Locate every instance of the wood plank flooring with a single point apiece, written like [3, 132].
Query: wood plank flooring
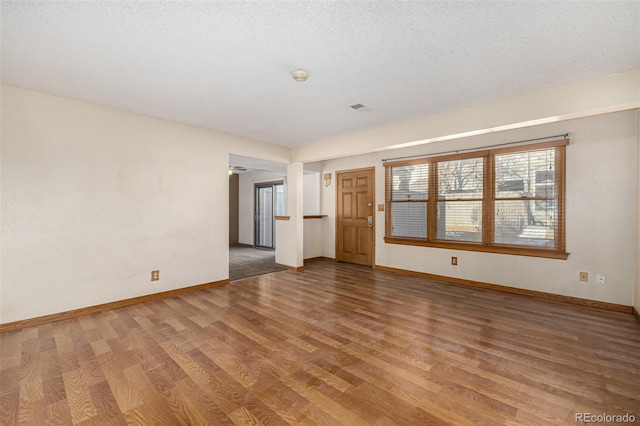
[337, 344]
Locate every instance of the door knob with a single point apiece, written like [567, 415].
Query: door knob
[370, 221]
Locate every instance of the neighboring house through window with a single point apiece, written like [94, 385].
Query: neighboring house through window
[508, 200]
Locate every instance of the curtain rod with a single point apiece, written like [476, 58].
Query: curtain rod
[565, 135]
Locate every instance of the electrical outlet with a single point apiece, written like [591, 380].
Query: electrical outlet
[584, 276]
[454, 261]
[600, 279]
[155, 275]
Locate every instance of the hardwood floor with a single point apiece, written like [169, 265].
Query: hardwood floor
[337, 344]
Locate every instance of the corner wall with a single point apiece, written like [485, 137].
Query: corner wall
[94, 198]
[602, 214]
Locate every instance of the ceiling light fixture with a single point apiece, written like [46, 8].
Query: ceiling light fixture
[300, 75]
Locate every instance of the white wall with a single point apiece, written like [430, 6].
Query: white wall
[602, 213]
[311, 197]
[312, 238]
[93, 199]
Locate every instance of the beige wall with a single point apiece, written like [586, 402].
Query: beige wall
[602, 214]
[93, 199]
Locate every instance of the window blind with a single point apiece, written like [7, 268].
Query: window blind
[509, 200]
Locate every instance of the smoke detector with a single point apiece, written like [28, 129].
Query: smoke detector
[300, 75]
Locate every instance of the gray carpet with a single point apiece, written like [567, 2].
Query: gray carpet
[247, 261]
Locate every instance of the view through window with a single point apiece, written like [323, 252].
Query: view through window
[509, 200]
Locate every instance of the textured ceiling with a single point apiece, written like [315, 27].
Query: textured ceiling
[226, 65]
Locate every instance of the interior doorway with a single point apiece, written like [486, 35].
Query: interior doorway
[246, 259]
[269, 203]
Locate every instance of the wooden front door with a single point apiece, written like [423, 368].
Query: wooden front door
[354, 216]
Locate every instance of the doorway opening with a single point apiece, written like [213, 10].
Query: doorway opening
[249, 257]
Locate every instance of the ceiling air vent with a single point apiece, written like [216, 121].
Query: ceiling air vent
[356, 106]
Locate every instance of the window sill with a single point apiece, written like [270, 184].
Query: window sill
[512, 250]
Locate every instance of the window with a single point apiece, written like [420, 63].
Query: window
[409, 199]
[509, 201]
[460, 188]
